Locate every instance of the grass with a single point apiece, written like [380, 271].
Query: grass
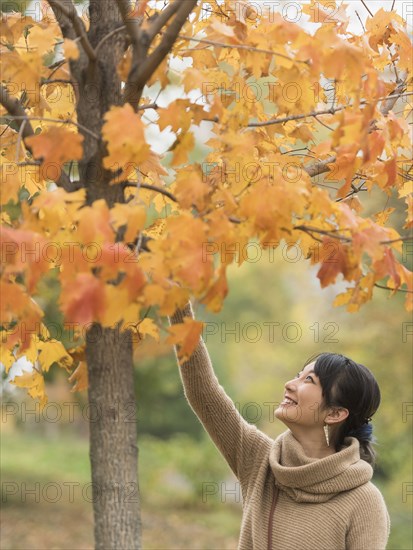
[34, 469]
[174, 515]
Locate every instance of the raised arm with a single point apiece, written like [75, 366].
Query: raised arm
[237, 440]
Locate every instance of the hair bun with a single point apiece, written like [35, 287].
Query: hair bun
[363, 432]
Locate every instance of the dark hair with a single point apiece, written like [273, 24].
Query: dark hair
[348, 384]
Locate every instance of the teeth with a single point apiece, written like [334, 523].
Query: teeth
[288, 400]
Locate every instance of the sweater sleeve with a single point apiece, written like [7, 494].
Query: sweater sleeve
[237, 440]
[370, 526]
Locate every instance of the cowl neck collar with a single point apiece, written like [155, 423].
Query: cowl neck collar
[307, 479]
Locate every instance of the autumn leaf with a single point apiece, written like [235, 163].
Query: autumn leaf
[147, 327]
[123, 131]
[70, 49]
[53, 351]
[181, 149]
[335, 258]
[83, 299]
[186, 336]
[54, 147]
[34, 383]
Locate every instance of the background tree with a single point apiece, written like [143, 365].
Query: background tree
[305, 127]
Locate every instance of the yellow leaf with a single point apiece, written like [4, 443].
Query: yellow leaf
[190, 188]
[131, 215]
[6, 358]
[51, 352]
[34, 382]
[183, 146]
[148, 327]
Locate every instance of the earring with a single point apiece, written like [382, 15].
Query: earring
[326, 434]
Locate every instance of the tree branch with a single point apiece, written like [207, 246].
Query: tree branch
[162, 19]
[132, 24]
[319, 167]
[70, 12]
[144, 66]
[17, 112]
[57, 120]
[160, 190]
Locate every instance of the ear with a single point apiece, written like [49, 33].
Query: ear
[336, 415]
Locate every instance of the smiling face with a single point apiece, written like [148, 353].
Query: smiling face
[303, 404]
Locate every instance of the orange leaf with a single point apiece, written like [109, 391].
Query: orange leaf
[124, 132]
[55, 147]
[335, 258]
[186, 336]
[83, 299]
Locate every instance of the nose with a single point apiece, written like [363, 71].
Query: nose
[289, 386]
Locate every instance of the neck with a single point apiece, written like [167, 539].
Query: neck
[313, 444]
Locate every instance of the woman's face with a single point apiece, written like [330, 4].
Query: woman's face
[307, 405]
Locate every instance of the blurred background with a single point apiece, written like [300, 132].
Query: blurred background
[275, 317]
[189, 497]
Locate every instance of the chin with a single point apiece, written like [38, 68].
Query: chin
[288, 418]
[280, 415]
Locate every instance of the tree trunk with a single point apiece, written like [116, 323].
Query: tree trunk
[113, 432]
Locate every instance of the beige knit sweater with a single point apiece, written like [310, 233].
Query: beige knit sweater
[290, 501]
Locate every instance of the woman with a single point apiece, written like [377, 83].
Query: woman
[310, 488]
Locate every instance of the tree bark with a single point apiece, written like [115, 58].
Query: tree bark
[113, 432]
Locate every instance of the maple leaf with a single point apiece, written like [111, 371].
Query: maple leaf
[335, 258]
[51, 352]
[147, 327]
[34, 383]
[181, 148]
[83, 299]
[56, 146]
[123, 131]
[191, 189]
[186, 336]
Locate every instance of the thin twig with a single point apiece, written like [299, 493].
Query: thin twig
[295, 117]
[393, 289]
[57, 120]
[160, 190]
[400, 239]
[19, 139]
[239, 47]
[365, 5]
[323, 124]
[361, 22]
